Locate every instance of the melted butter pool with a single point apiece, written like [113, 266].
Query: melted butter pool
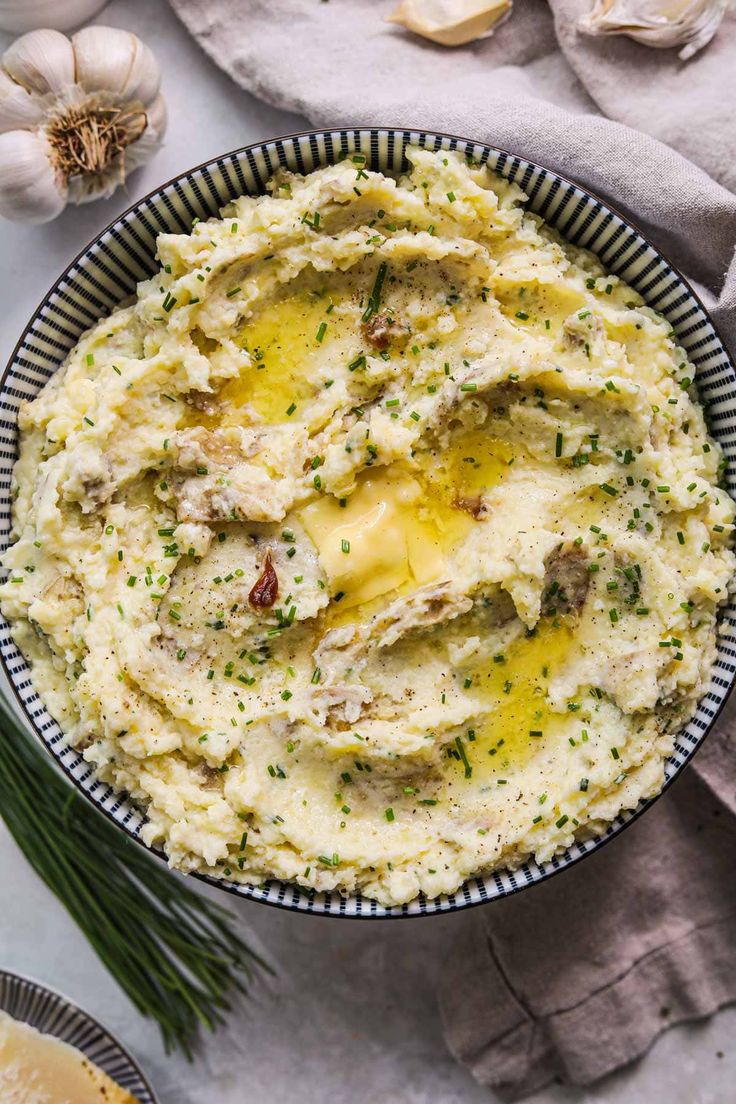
[474, 462]
[537, 307]
[287, 340]
[401, 525]
[388, 537]
[514, 693]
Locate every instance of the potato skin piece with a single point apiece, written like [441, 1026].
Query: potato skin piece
[381, 329]
[566, 580]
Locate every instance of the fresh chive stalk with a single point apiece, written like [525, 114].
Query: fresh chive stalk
[173, 952]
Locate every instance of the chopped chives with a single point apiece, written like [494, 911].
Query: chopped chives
[463, 756]
[374, 300]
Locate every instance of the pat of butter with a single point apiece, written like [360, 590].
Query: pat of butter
[378, 541]
[38, 1069]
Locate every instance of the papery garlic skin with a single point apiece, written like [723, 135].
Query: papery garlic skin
[662, 24]
[19, 16]
[28, 183]
[42, 61]
[76, 116]
[119, 63]
[451, 22]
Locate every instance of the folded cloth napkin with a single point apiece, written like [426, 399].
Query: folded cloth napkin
[579, 975]
[536, 87]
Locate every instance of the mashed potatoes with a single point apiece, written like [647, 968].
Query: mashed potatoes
[378, 543]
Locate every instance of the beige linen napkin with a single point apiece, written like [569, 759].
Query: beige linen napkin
[577, 976]
[536, 87]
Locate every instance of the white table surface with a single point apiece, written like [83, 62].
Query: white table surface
[352, 1012]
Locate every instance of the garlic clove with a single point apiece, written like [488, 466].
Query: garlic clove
[141, 151]
[145, 76]
[117, 61]
[659, 23]
[451, 22]
[156, 118]
[705, 29]
[18, 109]
[42, 61]
[28, 189]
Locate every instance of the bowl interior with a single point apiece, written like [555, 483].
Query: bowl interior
[107, 271]
[32, 1003]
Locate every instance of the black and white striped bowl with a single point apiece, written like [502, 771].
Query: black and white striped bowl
[49, 1012]
[107, 272]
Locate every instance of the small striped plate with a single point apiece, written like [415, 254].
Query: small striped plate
[49, 1012]
[107, 271]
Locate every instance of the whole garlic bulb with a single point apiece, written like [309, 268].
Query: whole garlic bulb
[659, 23]
[76, 116]
[62, 15]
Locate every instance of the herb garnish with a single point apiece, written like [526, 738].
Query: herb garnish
[374, 300]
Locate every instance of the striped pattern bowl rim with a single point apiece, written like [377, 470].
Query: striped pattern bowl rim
[106, 272]
[33, 1003]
